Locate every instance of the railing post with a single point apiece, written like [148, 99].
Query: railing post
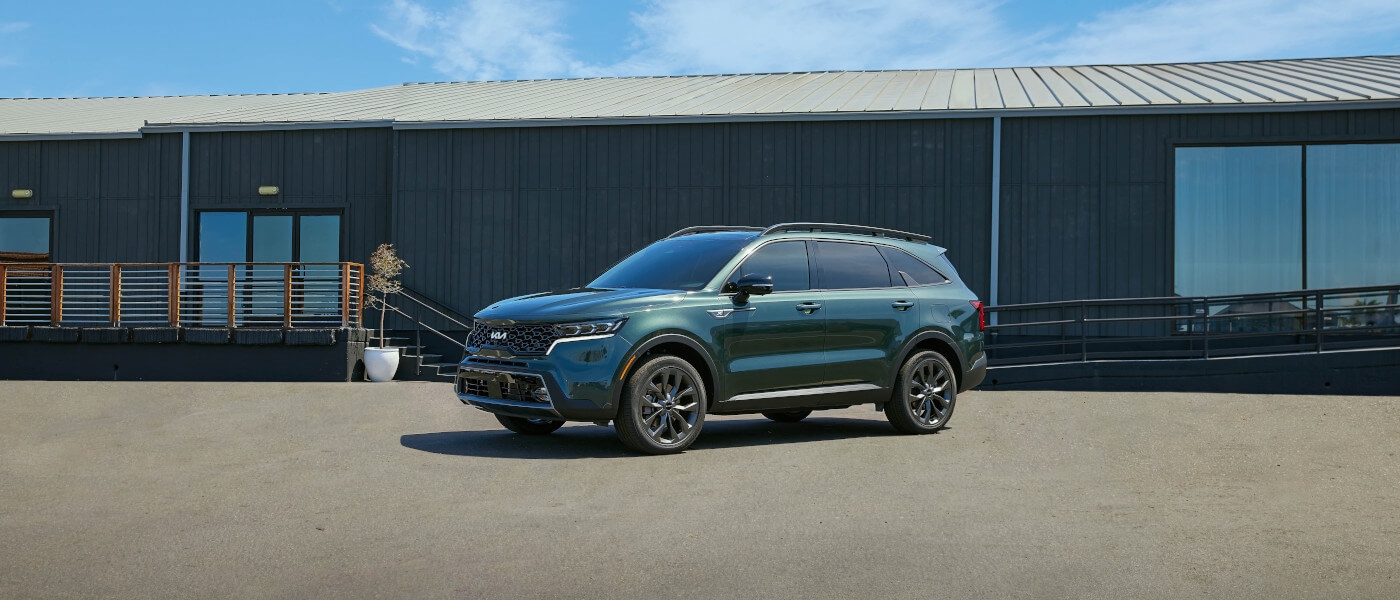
[1083, 332]
[1205, 329]
[418, 338]
[1317, 300]
[4, 283]
[56, 295]
[360, 313]
[345, 295]
[172, 294]
[287, 296]
[114, 307]
[232, 293]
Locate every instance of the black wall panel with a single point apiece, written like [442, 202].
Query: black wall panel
[111, 200]
[1086, 202]
[484, 214]
[345, 170]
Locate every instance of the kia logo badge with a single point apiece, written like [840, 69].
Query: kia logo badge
[498, 335]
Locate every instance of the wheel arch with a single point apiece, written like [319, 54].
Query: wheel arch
[675, 344]
[941, 342]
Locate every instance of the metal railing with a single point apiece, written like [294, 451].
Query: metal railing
[1195, 327]
[183, 294]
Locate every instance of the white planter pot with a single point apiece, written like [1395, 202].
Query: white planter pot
[381, 363]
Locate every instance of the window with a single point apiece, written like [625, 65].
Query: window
[843, 266]
[1353, 212]
[1239, 225]
[683, 263]
[1245, 221]
[24, 237]
[268, 236]
[785, 262]
[909, 270]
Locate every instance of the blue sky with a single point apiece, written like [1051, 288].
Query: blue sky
[138, 47]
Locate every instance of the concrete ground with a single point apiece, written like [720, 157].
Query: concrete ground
[137, 490]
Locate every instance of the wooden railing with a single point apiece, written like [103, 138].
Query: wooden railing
[183, 294]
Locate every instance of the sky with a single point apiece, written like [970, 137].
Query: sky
[141, 47]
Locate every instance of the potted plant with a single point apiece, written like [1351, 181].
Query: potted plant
[382, 361]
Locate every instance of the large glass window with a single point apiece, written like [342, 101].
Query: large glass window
[24, 238]
[1353, 209]
[1239, 213]
[683, 263]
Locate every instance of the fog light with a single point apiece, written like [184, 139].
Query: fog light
[541, 394]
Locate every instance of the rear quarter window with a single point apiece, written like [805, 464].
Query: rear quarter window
[910, 271]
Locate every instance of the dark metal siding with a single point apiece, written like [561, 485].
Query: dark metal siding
[112, 200]
[1086, 202]
[350, 170]
[483, 214]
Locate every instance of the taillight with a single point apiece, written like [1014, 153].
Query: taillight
[981, 315]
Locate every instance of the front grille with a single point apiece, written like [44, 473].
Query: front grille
[520, 340]
[500, 386]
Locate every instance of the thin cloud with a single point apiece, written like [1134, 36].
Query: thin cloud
[13, 27]
[1204, 30]
[484, 39]
[495, 39]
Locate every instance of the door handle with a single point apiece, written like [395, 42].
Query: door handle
[902, 305]
[808, 307]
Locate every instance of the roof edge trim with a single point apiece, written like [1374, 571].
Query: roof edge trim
[50, 137]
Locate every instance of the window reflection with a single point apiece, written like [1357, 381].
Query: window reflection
[1238, 220]
[1353, 215]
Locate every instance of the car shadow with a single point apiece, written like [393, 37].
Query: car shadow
[584, 441]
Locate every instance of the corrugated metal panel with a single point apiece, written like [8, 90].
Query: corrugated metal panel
[1086, 210]
[1323, 82]
[599, 193]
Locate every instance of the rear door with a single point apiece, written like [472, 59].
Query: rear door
[869, 314]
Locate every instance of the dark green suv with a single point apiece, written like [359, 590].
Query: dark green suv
[732, 320]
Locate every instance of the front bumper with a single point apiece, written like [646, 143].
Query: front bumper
[579, 376]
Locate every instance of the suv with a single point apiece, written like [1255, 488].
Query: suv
[733, 320]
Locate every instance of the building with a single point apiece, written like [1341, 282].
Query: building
[1047, 183]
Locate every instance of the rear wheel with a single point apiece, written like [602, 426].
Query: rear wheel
[924, 394]
[663, 407]
[529, 426]
[787, 416]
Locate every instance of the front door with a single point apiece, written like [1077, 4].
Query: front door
[773, 343]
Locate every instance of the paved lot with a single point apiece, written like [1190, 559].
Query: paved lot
[354, 490]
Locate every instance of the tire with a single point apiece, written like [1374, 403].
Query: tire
[787, 416]
[924, 394]
[529, 426]
[663, 407]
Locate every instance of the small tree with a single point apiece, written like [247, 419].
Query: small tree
[385, 267]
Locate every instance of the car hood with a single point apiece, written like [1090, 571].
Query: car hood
[578, 303]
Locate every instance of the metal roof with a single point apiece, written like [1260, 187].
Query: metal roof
[117, 117]
[1249, 85]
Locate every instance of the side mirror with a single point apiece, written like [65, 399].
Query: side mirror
[753, 285]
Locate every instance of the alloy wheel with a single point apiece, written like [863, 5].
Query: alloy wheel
[929, 393]
[670, 406]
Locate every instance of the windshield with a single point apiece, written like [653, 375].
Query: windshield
[683, 263]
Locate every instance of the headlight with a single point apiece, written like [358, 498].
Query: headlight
[603, 327]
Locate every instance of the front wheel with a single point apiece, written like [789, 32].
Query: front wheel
[663, 407]
[924, 394]
[529, 426]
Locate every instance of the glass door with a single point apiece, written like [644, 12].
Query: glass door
[270, 240]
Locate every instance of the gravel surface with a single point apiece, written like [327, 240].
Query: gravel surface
[170, 490]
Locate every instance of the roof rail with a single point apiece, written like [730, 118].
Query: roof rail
[838, 228]
[711, 228]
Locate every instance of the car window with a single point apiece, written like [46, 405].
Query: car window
[785, 262]
[683, 263]
[843, 266]
[910, 270]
